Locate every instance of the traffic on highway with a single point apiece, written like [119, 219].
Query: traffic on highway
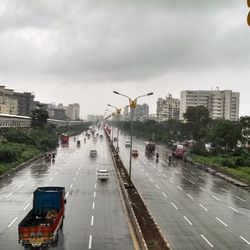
[95, 217]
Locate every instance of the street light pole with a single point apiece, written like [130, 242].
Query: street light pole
[111, 124]
[132, 104]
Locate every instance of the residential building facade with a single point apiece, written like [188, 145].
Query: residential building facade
[168, 108]
[222, 104]
[8, 102]
[25, 103]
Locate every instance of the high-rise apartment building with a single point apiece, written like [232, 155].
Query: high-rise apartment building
[8, 102]
[25, 103]
[168, 108]
[222, 104]
[73, 111]
[141, 112]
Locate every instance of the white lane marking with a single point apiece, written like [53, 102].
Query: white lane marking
[95, 186]
[165, 195]
[192, 182]
[20, 186]
[79, 168]
[188, 220]
[90, 241]
[67, 195]
[71, 186]
[203, 207]
[93, 206]
[222, 222]
[164, 175]
[92, 220]
[223, 190]
[233, 209]
[240, 198]
[94, 194]
[157, 186]
[51, 178]
[200, 177]
[74, 179]
[46, 184]
[7, 196]
[174, 205]
[26, 206]
[151, 179]
[147, 174]
[216, 198]
[12, 222]
[192, 172]
[185, 168]
[29, 179]
[202, 189]
[77, 173]
[245, 240]
[56, 173]
[171, 180]
[180, 188]
[190, 196]
[204, 238]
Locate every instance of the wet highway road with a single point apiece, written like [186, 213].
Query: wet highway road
[94, 216]
[193, 209]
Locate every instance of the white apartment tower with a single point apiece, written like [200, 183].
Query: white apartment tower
[168, 108]
[222, 104]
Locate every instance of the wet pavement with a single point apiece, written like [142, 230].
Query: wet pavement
[94, 215]
[194, 209]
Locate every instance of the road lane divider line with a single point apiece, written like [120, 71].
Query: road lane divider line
[46, 184]
[71, 186]
[77, 173]
[223, 190]
[26, 206]
[90, 241]
[20, 186]
[67, 194]
[234, 209]
[151, 179]
[222, 222]
[51, 178]
[188, 220]
[93, 206]
[203, 207]
[164, 175]
[12, 222]
[7, 196]
[164, 195]
[157, 186]
[92, 220]
[191, 182]
[95, 186]
[180, 188]
[202, 189]
[245, 240]
[171, 180]
[174, 206]
[74, 179]
[190, 196]
[94, 194]
[216, 198]
[240, 198]
[204, 238]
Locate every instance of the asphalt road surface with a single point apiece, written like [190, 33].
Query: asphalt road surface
[194, 209]
[94, 216]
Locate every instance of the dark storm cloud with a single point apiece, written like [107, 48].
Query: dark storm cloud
[120, 40]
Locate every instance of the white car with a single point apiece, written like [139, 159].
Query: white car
[103, 174]
[93, 153]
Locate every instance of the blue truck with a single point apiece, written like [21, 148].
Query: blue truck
[41, 225]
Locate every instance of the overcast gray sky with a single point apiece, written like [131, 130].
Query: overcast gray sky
[81, 50]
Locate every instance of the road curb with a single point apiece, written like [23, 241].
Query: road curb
[133, 212]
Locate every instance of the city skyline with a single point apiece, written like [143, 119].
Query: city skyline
[132, 47]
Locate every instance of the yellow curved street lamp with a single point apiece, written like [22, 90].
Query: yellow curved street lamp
[132, 105]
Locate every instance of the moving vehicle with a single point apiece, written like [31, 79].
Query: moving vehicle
[178, 151]
[150, 148]
[127, 144]
[135, 153]
[78, 143]
[64, 138]
[103, 174]
[101, 136]
[40, 226]
[47, 157]
[93, 153]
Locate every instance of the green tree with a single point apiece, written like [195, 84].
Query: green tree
[198, 120]
[245, 128]
[39, 116]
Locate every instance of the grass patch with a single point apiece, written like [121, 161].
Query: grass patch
[219, 162]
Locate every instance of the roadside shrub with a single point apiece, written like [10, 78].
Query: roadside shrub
[199, 150]
[228, 162]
